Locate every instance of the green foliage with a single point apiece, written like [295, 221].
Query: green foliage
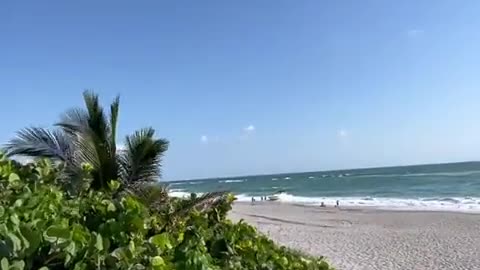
[44, 227]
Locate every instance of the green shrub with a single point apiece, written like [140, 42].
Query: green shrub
[44, 227]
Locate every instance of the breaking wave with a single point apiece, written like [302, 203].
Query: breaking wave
[468, 204]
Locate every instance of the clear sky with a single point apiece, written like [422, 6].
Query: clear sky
[248, 87]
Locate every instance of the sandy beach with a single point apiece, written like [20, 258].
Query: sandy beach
[357, 239]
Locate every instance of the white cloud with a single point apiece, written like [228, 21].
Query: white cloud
[414, 32]
[342, 133]
[249, 129]
[204, 139]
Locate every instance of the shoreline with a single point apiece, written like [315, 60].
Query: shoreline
[468, 205]
[378, 209]
[366, 238]
[437, 204]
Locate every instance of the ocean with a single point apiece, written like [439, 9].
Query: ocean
[437, 187]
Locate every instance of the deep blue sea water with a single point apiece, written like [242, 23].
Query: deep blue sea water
[449, 187]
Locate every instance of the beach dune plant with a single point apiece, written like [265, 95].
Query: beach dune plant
[41, 227]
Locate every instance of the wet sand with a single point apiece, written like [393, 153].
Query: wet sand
[357, 239]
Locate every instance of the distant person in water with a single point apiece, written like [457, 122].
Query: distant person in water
[338, 204]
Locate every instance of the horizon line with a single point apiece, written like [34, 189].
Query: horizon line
[331, 170]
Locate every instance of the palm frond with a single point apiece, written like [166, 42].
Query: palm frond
[100, 136]
[92, 137]
[140, 161]
[153, 195]
[199, 203]
[114, 108]
[89, 136]
[74, 121]
[87, 152]
[40, 142]
[97, 121]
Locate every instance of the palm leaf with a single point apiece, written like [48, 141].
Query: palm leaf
[74, 121]
[153, 195]
[91, 133]
[97, 121]
[114, 108]
[140, 161]
[40, 142]
[199, 203]
[89, 136]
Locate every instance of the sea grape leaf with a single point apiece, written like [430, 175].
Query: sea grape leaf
[162, 241]
[157, 262]
[71, 248]
[99, 242]
[56, 233]
[114, 185]
[33, 237]
[111, 207]
[13, 177]
[120, 254]
[17, 265]
[16, 242]
[80, 266]
[4, 264]
[14, 219]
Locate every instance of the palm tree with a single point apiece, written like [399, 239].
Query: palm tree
[88, 136]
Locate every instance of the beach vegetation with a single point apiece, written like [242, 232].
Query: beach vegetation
[83, 203]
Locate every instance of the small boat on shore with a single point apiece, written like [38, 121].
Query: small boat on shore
[273, 198]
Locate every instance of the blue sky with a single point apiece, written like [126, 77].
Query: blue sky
[247, 87]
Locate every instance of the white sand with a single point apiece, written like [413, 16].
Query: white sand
[371, 239]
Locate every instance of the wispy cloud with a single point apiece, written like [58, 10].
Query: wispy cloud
[204, 139]
[249, 129]
[342, 133]
[415, 32]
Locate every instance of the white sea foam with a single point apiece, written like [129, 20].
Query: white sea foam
[176, 190]
[390, 175]
[287, 178]
[232, 181]
[469, 204]
[274, 179]
[195, 182]
[179, 194]
[311, 177]
[175, 184]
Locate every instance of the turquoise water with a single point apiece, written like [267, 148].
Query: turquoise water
[450, 187]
